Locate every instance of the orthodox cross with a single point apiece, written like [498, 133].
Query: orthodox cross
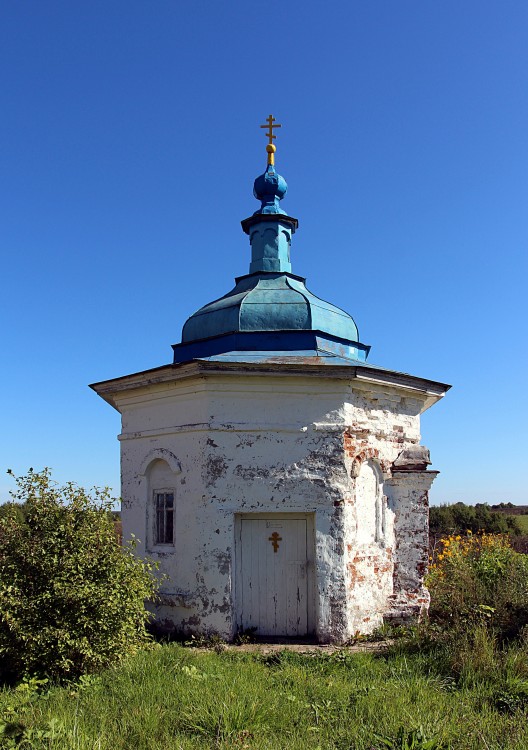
[271, 148]
[275, 539]
[271, 135]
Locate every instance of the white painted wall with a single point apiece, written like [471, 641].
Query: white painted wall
[237, 443]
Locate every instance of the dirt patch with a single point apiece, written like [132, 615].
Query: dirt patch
[304, 648]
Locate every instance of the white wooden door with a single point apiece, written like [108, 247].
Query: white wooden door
[274, 580]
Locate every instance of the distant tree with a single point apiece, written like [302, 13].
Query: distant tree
[459, 518]
[18, 509]
[72, 600]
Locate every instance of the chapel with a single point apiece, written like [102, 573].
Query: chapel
[274, 473]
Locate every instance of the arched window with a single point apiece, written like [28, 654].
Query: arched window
[161, 508]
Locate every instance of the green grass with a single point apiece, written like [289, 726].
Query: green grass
[523, 523]
[173, 698]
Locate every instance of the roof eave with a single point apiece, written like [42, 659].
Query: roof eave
[431, 389]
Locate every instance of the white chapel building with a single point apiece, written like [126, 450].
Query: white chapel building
[275, 474]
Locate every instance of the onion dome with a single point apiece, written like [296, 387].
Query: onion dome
[270, 309]
[270, 188]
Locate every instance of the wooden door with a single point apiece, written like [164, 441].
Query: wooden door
[273, 587]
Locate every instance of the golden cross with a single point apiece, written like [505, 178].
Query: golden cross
[275, 539]
[271, 148]
[270, 127]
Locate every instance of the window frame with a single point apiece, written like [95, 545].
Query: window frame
[156, 541]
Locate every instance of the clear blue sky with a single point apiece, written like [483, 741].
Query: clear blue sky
[129, 142]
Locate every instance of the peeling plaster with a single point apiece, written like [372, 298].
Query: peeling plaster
[306, 456]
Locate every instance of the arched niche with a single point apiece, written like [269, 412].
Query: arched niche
[158, 478]
[159, 454]
[370, 506]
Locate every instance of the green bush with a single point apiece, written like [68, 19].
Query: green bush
[479, 580]
[71, 598]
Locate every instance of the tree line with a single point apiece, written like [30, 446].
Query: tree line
[459, 518]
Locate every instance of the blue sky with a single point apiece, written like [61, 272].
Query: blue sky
[129, 142]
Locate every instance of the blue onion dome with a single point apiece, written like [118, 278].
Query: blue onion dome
[270, 188]
[270, 308]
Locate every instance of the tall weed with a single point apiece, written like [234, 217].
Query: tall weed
[479, 581]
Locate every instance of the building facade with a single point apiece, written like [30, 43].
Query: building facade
[274, 473]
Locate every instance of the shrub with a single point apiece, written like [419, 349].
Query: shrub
[71, 598]
[478, 579]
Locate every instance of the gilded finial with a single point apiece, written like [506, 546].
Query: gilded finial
[271, 148]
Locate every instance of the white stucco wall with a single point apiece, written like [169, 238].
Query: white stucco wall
[231, 444]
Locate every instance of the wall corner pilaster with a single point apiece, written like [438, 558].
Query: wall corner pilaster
[408, 497]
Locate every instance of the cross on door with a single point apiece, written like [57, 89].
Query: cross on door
[275, 539]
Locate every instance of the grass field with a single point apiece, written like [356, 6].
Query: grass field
[173, 698]
[523, 523]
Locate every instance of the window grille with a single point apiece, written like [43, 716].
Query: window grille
[164, 517]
